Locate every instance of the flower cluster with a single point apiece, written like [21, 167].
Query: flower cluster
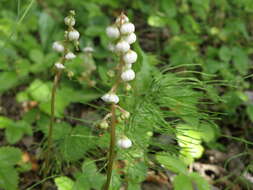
[71, 35]
[122, 36]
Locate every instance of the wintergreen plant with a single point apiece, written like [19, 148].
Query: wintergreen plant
[122, 36]
[64, 47]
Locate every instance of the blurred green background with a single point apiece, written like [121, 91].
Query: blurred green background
[213, 37]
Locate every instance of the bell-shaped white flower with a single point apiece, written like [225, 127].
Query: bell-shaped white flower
[122, 46]
[57, 46]
[88, 49]
[59, 65]
[111, 47]
[110, 98]
[70, 21]
[73, 35]
[130, 57]
[112, 32]
[123, 19]
[124, 142]
[128, 75]
[131, 38]
[127, 28]
[70, 56]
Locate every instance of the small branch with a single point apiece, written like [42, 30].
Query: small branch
[112, 130]
[52, 118]
[111, 149]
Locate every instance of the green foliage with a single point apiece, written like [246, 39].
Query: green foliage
[205, 47]
[9, 157]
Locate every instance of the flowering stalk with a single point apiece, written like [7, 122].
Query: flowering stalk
[71, 36]
[122, 34]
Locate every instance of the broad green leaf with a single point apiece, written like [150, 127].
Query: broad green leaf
[46, 27]
[225, 53]
[172, 163]
[241, 60]
[8, 177]
[75, 145]
[16, 131]
[8, 80]
[64, 183]
[182, 182]
[39, 91]
[9, 156]
[5, 122]
[199, 181]
[157, 21]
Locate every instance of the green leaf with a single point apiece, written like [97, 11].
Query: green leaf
[241, 60]
[46, 27]
[172, 163]
[76, 144]
[157, 21]
[225, 53]
[16, 131]
[182, 182]
[64, 183]
[199, 181]
[250, 111]
[8, 177]
[9, 156]
[39, 91]
[8, 80]
[5, 122]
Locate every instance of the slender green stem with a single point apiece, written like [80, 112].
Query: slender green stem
[111, 149]
[52, 118]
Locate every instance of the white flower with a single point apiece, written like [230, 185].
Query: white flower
[73, 35]
[111, 47]
[70, 55]
[59, 65]
[131, 38]
[88, 49]
[110, 98]
[112, 32]
[122, 46]
[123, 18]
[70, 21]
[128, 75]
[127, 28]
[130, 57]
[124, 143]
[57, 46]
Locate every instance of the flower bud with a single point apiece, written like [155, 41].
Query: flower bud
[128, 87]
[59, 65]
[122, 46]
[128, 75]
[112, 32]
[130, 57]
[111, 47]
[57, 46]
[70, 56]
[131, 38]
[110, 98]
[73, 35]
[70, 21]
[125, 115]
[104, 124]
[127, 28]
[124, 143]
[88, 49]
[122, 19]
